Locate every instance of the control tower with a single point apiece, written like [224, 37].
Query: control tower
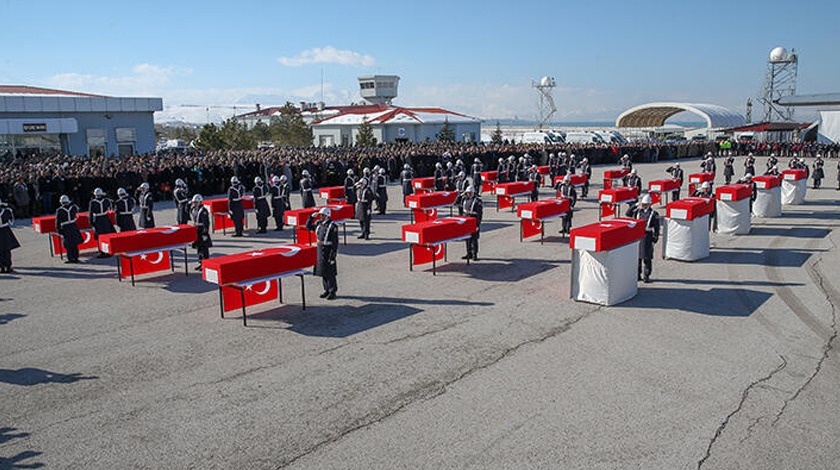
[379, 89]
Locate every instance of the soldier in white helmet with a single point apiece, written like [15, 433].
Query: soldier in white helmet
[381, 192]
[350, 187]
[364, 207]
[279, 200]
[8, 241]
[182, 202]
[306, 196]
[472, 207]
[201, 218]
[65, 223]
[99, 219]
[235, 207]
[147, 206]
[125, 211]
[405, 181]
[261, 207]
[326, 233]
[650, 218]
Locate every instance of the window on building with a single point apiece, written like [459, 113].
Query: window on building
[96, 142]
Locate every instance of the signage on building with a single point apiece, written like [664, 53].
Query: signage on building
[36, 127]
[401, 131]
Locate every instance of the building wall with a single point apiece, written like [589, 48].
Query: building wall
[391, 132]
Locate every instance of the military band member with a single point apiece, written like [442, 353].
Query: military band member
[125, 211]
[279, 200]
[472, 207]
[147, 206]
[650, 217]
[65, 221]
[326, 233]
[182, 202]
[261, 207]
[8, 241]
[235, 207]
[306, 196]
[201, 218]
[98, 212]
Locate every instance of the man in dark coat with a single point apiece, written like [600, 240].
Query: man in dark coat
[279, 200]
[406, 176]
[306, 190]
[326, 233]
[566, 189]
[585, 169]
[364, 207]
[235, 208]
[472, 207]
[749, 164]
[677, 174]
[147, 206]
[382, 191]
[182, 202]
[261, 195]
[650, 218]
[818, 173]
[633, 180]
[65, 222]
[125, 211]
[201, 218]
[475, 172]
[98, 213]
[440, 180]
[729, 169]
[350, 187]
[8, 241]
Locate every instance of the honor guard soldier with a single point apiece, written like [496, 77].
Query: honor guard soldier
[65, 221]
[306, 196]
[501, 169]
[449, 176]
[147, 206]
[535, 177]
[633, 180]
[585, 169]
[553, 166]
[566, 189]
[708, 165]
[440, 184]
[201, 218]
[749, 164]
[650, 217]
[772, 161]
[326, 233]
[729, 169]
[261, 207]
[461, 184]
[235, 208]
[819, 172]
[676, 173]
[626, 162]
[350, 187]
[459, 167]
[182, 202]
[8, 241]
[405, 181]
[125, 211]
[382, 191]
[774, 170]
[98, 213]
[705, 190]
[472, 208]
[476, 170]
[364, 207]
[838, 175]
[748, 179]
[279, 200]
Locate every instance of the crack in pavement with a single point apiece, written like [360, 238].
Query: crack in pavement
[744, 395]
[827, 348]
[432, 390]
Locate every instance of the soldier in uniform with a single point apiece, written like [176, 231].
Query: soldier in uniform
[534, 177]
[818, 173]
[553, 166]
[8, 241]
[279, 200]
[405, 181]
[472, 208]
[645, 212]
[476, 170]
[705, 190]
[65, 221]
[676, 173]
[748, 179]
[729, 168]
[449, 175]
[461, 184]
[585, 169]
[566, 189]
[364, 207]
[772, 161]
[235, 208]
[440, 183]
[147, 206]
[773, 170]
[201, 218]
[306, 190]
[326, 232]
[182, 202]
[98, 213]
[633, 180]
[350, 187]
[626, 162]
[125, 211]
[382, 191]
[749, 164]
[501, 170]
[261, 207]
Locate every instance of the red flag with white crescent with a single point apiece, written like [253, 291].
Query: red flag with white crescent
[423, 254]
[222, 221]
[531, 227]
[145, 263]
[305, 237]
[655, 197]
[254, 294]
[88, 242]
[505, 202]
[423, 215]
[607, 210]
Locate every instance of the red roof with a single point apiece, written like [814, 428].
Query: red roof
[769, 127]
[32, 90]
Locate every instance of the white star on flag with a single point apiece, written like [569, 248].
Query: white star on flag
[143, 257]
[257, 253]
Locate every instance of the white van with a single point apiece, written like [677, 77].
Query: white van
[541, 138]
[583, 138]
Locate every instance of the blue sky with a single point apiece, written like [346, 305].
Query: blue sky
[473, 57]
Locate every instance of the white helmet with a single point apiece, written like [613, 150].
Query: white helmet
[748, 175]
[461, 174]
[180, 182]
[257, 180]
[459, 162]
[349, 172]
[197, 199]
[448, 164]
[305, 172]
[362, 182]
[325, 211]
[477, 160]
[122, 192]
[382, 171]
[144, 186]
[705, 185]
[64, 199]
[98, 192]
[470, 189]
[633, 171]
[551, 155]
[367, 170]
[275, 179]
[283, 178]
[677, 165]
[234, 180]
[406, 166]
[646, 199]
[501, 159]
[438, 165]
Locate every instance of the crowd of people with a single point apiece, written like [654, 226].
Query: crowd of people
[33, 184]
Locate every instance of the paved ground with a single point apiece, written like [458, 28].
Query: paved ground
[723, 363]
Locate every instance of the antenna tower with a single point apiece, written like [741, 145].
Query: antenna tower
[545, 90]
[780, 80]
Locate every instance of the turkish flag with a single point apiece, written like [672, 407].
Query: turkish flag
[488, 187]
[607, 183]
[222, 222]
[505, 202]
[655, 198]
[423, 215]
[88, 242]
[305, 237]
[254, 294]
[425, 254]
[691, 188]
[145, 263]
[607, 210]
[531, 227]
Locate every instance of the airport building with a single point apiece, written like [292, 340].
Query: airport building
[45, 122]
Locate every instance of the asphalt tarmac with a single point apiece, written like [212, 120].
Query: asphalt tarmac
[728, 362]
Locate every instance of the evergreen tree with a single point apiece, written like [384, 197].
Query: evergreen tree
[290, 129]
[446, 133]
[365, 136]
[497, 137]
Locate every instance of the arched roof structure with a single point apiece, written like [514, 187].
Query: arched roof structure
[655, 115]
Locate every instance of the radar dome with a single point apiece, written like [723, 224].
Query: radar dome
[546, 81]
[778, 54]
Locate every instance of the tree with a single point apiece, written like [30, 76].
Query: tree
[497, 137]
[446, 133]
[260, 132]
[365, 136]
[209, 138]
[231, 135]
[290, 129]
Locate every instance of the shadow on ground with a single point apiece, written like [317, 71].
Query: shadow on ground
[18, 461]
[774, 257]
[795, 232]
[497, 270]
[332, 321]
[32, 376]
[717, 301]
[8, 317]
